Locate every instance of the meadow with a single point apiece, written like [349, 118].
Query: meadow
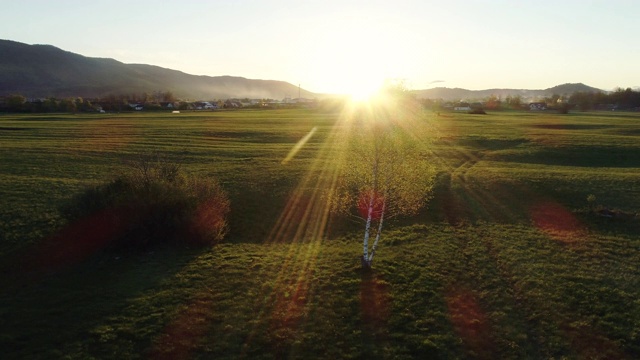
[509, 259]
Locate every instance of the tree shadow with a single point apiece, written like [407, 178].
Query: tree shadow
[61, 291]
[375, 306]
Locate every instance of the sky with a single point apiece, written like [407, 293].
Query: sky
[351, 46]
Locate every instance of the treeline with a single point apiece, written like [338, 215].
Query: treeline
[19, 103]
[620, 99]
[121, 102]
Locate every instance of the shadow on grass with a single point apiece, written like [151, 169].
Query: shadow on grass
[611, 222]
[59, 292]
[580, 156]
[458, 201]
[375, 306]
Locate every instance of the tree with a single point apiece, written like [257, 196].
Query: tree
[144, 98]
[625, 98]
[493, 102]
[386, 174]
[16, 103]
[584, 100]
[168, 97]
[514, 101]
[50, 104]
[563, 107]
[67, 105]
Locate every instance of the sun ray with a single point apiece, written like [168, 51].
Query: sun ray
[299, 145]
[303, 222]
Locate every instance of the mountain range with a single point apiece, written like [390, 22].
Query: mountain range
[38, 71]
[461, 94]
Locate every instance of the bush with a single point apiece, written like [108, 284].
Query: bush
[154, 202]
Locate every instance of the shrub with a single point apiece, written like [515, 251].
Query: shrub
[154, 202]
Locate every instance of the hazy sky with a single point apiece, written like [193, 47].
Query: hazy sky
[344, 46]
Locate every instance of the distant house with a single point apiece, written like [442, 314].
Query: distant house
[205, 105]
[537, 106]
[232, 103]
[462, 106]
[304, 101]
[209, 106]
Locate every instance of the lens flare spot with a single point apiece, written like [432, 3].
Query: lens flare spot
[363, 205]
[470, 322]
[556, 221]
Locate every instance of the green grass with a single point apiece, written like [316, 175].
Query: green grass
[506, 261]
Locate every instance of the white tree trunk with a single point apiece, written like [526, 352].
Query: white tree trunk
[375, 243]
[367, 229]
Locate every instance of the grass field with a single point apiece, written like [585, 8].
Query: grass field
[507, 261]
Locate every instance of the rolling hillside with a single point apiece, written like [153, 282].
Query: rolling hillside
[44, 70]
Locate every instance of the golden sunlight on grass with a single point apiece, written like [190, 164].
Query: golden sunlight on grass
[506, 260]
[305, 219]
[306, 213]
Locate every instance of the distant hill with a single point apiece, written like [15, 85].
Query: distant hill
[462, 94]
[38, 71]
[44, 70]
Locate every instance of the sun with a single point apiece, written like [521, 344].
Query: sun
[363, 90]
[357, 79]
[349, 61]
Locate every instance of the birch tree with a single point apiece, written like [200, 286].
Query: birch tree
[386, 174]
